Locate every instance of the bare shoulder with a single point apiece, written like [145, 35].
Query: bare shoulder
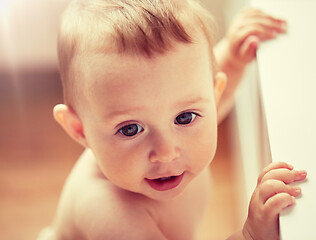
[100, 210]
[119, 220]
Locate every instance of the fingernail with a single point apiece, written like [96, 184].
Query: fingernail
[302, 173]
[296, 191]
[299, 175]
[290, 166]
[292, 202]
[283, 27]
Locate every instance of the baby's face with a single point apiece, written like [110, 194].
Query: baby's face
[151, 123]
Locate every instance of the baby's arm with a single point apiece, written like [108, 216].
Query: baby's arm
[271, 195]
[238, 48]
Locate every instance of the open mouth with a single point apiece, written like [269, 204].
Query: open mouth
[165, 183]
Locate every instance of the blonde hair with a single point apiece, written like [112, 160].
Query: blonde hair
[143, 27]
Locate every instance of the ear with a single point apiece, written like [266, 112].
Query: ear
[219, 85]
[70, 122]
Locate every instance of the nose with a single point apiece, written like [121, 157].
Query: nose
[164, 148]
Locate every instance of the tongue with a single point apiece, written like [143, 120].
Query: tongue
[163, 179]
[165, 183]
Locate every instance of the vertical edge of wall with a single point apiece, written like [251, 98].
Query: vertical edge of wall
[249, 128]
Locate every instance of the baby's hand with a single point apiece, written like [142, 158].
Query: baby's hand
[271, 195]
[247, 30]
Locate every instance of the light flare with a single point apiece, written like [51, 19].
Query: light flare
[9, 54]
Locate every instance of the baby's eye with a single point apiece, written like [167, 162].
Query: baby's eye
[185, 118]
[130, 130]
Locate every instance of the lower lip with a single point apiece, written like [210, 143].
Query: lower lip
[165, 185]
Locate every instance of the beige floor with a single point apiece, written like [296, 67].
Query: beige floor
[36, 156]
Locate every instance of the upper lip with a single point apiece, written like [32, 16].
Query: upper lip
[166, 175]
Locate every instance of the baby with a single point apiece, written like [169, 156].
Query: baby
[143, 95]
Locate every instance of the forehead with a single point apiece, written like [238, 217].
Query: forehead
[117, 81]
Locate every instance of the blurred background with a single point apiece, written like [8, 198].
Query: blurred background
[35, 153]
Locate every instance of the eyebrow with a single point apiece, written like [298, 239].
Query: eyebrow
[193, 101]
[124, 111]
[182, 104]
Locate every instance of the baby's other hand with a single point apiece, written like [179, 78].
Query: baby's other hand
[248, 29]
[271, 195]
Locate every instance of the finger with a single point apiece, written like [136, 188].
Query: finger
[274, 165]
[275, 204]
[251, 12]
[242, 34]
[272, 187]
[269, 25]
[257, 30]
[244, 39]
[257, 17]
[257, 13]
[247, 50]
[285, 175]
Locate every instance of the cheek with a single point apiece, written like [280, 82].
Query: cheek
[203, 146]
[121, 163]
